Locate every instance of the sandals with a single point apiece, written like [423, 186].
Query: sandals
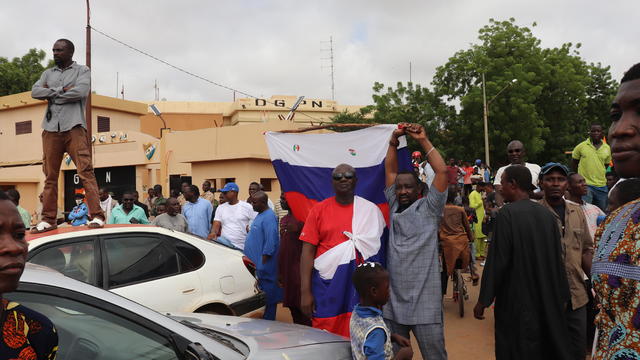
[95, 223]
[42, 227]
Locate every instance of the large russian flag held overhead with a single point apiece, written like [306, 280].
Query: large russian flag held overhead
[303, 164]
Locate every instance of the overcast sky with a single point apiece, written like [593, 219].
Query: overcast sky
[274, 47]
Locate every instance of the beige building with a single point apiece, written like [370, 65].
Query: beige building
[220, 142]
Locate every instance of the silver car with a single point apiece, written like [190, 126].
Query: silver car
[93, 323]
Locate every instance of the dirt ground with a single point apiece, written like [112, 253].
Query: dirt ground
[465, 338]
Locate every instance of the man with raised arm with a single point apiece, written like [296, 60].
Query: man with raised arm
[412, 258]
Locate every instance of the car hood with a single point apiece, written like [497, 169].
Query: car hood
[265, 334]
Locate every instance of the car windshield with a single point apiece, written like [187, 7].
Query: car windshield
[220, 337]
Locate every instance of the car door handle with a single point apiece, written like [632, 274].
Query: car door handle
[187, 291]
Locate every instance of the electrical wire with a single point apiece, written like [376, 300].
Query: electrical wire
[193, 74]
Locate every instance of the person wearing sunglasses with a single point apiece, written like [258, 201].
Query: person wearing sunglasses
[331, 234]
[412, 254]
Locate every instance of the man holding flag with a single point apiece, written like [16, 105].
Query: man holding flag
[415, 303]
[343, 208]
[337, 229]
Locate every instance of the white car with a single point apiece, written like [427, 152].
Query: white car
[165, 270]
[95, 324]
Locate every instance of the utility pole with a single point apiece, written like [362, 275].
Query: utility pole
[486, 114]
[331, 65]
[409, 71]
[486, 124]
[88, 63]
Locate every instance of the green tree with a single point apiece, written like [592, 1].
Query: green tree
[404, 103]
[21, 73]
[547, 96]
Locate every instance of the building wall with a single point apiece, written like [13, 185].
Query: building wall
[243, 171]
[21, 155]
[21, 148]
[151, 124]
[195, 146]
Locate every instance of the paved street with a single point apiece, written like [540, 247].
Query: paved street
[466, 338]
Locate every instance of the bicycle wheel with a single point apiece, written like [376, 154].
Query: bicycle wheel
[460, 289]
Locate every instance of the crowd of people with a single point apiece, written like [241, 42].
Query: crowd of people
[549, 238]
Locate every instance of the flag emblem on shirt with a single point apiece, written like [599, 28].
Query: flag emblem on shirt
[304, 178]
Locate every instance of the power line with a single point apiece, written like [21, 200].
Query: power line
[193, 74]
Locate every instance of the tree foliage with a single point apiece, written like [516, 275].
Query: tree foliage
[545, 97]
[404, 103]
[549, 96]
[19, 74]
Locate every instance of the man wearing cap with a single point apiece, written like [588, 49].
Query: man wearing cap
[231, 221]
[516, 154]
[577, 245]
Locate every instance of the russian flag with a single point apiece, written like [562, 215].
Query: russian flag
[303, 164]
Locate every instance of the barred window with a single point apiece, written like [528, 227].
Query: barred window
[104, 124]
[266, 183]
[23, 127]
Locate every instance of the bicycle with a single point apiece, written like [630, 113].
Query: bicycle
[460, 293]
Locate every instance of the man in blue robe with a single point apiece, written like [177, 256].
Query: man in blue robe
[262, 247]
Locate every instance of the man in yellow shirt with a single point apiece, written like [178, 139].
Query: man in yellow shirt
[591, 158]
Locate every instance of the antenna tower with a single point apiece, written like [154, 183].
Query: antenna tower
[156, 91]
[331, 64]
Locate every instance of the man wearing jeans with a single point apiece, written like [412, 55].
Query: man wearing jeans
[591, 158]
[65, 87]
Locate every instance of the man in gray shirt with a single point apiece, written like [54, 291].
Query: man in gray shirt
[415, 302]
[65, 87]
[172, 219]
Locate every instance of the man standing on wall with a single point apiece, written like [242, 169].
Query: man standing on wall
[65, 87]
[591, 158]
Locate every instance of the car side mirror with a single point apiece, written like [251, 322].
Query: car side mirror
[195, 351]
